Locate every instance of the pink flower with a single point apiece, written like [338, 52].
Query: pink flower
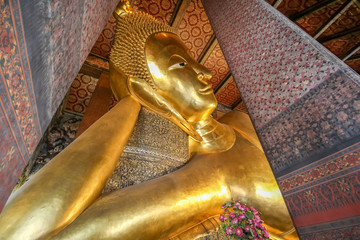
[234, 221]
[229, 230]
[242, 207]
[254, 232]
[238, 232]
[254, 210]
[222, 218]
[247, 228]
[265, 233]
[232, 215]
[241, 217]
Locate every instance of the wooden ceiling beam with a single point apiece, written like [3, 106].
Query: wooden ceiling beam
[208, 49]
[339, 35]
[222, 82]
[351, 52]
[236, 103]
[353, 57]
[333, 18]
[357, 2]
[277, 3]
[179, 13]
[312, 9]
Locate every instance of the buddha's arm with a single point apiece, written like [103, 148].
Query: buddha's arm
[68, 184]
[151, 210]
[166, 206]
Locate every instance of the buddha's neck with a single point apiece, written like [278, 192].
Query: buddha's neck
[216, 137]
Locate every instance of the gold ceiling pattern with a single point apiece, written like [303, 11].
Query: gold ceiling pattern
[195, 29]
[161, 10]
[334, 23]
[217, 64]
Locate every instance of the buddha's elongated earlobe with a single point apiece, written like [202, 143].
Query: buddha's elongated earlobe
[151, 99]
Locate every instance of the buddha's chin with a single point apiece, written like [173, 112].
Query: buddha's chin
[201, 115]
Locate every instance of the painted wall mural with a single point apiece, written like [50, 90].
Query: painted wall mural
[304, 103]
[38, 42]
[19, 121]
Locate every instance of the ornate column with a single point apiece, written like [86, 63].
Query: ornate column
[304, 103]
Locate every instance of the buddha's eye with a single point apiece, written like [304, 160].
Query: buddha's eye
[176, 62]
[177, 65]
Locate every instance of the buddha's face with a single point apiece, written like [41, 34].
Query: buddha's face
[179, 78]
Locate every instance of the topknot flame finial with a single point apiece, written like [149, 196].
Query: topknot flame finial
[123, 8]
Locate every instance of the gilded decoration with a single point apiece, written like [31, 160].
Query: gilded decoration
[156, 147]
[64, 200]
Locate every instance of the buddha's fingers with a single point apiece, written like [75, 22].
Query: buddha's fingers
[68, 184]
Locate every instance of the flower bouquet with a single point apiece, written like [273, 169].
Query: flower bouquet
[241, 222]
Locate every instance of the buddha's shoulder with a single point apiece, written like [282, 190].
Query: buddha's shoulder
[242, 125]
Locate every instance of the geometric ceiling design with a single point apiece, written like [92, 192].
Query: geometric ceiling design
[334, 23]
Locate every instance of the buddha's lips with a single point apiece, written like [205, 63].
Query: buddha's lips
[206, 90]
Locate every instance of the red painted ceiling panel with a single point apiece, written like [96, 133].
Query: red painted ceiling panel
[343, 45]
[195, 29]
[291, 7]
[229, 94]
[161, 10]
[314, 21]
[354, 64]
[350, 19]
[218, 66]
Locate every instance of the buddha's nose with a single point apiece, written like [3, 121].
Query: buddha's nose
[204, 74]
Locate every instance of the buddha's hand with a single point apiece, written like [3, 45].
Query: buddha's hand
[151, 99]
[123, 85]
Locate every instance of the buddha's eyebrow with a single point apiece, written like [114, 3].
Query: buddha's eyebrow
[176, 50]
[179, 57]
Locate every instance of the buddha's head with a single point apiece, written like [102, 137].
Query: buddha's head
[151, 51]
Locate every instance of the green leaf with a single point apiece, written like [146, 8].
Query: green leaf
[251, 232]
[249, 214]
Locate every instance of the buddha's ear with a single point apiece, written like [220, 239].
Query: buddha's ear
[151, 99]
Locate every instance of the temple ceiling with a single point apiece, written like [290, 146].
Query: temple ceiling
[334, 23]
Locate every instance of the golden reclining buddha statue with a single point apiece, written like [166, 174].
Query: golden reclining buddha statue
[150, 67]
